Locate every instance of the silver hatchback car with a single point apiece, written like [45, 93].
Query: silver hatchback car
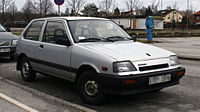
[97, 55]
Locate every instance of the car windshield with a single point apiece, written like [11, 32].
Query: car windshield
[96, 30]
[2, 29]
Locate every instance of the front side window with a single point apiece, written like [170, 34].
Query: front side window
[2, 29]
[54, 31]
[33, 32]
[96, 30]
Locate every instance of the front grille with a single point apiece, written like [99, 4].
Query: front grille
[154, 67]
[5, 44]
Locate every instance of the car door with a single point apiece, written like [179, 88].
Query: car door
[53, 58]
[30, 40]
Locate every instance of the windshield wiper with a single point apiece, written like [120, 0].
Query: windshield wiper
[90, 40]
[115, 38]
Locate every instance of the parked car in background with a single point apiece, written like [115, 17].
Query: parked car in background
[97, 55]
[8, 43]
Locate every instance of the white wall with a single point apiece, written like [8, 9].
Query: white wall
[126, 22]
[140, 23]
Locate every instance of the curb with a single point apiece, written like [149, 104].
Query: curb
[48, 97]
[189, 57]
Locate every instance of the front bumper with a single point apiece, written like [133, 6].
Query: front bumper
[116, 84]
[5, 54]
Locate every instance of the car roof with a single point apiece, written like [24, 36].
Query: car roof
[73, 18]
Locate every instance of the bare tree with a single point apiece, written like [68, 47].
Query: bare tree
[133, 4]
[75, 5]
[174, 6]
[105, 5]
[4, 5]
[154, 6]
[44, 7]
[28, 10]
[12, 10]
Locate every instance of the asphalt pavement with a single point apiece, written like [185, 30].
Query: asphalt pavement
[184, 47]
[184, 97]
[16, 99]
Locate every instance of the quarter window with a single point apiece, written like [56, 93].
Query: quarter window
[33, 32]
[53, 32]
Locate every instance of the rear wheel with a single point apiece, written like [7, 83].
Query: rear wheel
[28, 74]
[90, 89]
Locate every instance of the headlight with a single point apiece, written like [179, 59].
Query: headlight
[174, 60]
[14, 42]
[125, 66]
[5, 44]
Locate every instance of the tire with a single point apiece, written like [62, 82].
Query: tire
[27, 73]
[157, 90]
[12, 58]
[90, 89]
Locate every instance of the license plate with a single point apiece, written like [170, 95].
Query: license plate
[159, 79]
[5, 50]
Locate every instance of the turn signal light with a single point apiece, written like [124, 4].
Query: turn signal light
[181, 73]
[104, 68]
[130, 81]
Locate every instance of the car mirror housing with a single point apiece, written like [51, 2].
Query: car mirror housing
[134, 38]
[8, 30]
[63, 41]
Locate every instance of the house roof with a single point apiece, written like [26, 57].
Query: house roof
[197, 13]
[164, 12]
[127, 13]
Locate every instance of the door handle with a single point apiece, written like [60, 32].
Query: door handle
[41, 46]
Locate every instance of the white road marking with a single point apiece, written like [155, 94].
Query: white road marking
[27, 108]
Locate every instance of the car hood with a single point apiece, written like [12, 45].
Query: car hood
[129, 50]
[7, 36]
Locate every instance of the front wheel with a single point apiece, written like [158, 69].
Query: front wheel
[28, 74]
[90, 89]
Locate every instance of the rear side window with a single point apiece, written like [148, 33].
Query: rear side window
[54, 31]
[34, 30]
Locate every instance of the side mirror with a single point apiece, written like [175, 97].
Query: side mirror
[134, 38]
[8, 30]
[122, 26]
[63, 41]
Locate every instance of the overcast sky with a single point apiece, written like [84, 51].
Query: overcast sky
[182, 4]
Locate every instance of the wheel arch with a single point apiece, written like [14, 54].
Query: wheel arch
[84, 68]
[19, 59]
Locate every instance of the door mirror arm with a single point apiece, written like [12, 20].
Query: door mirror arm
[63, 41]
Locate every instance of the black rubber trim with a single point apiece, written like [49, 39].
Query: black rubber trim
[53, 65]
[114, 84]
[11, 53]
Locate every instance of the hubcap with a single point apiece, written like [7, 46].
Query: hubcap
[25, 69]
[91, 88]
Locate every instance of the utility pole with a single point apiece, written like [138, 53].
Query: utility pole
[188, 2]
[3, 6]
[161, 9]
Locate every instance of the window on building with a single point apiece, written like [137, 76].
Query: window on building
[198, 17]
[168, 17]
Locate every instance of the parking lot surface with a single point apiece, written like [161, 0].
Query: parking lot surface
[184, 97]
